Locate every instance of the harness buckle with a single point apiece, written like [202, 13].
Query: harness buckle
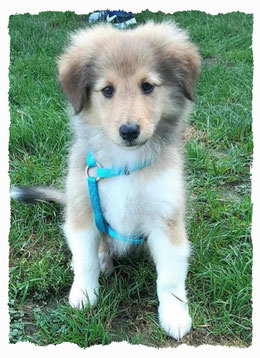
[88, 169]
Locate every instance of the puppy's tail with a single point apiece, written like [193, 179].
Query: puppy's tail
[34, 194]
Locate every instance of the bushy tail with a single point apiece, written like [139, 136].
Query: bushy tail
[34, 194]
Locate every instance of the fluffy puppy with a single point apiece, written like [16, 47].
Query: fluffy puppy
[131, 91]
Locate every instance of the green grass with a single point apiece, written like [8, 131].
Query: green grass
[218, 159]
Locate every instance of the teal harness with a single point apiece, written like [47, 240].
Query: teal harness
[101, 173]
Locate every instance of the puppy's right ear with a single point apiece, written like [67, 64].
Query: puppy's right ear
[75, 77]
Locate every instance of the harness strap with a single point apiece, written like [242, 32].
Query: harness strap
[100, 221]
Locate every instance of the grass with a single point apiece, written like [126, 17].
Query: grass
[218, 158]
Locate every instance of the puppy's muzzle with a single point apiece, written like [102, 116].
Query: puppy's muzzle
[129, 131]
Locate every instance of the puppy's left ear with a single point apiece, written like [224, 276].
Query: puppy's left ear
[179, 64]
[187, 64]
[180, 58]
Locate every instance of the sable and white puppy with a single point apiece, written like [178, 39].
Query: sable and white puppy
[131, 91]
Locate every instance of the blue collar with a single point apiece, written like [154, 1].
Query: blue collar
[101, 173]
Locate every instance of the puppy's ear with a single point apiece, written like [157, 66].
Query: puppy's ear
[187, 66]
[76, 77]
[180, 65]
[179, 58]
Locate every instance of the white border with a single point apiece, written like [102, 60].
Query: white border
[84, 7]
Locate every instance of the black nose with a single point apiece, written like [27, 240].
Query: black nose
[129, 131]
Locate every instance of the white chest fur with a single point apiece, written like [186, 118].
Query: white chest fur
[137, 203]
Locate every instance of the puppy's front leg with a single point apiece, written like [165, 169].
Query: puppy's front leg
[170, 250]
[83, 244]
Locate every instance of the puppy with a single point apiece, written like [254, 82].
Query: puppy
[131, 91]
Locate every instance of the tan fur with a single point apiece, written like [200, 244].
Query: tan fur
[78, 210]
[176, 230]
[78, 215]
[93, 60]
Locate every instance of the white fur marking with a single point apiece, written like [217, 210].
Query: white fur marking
[15, 193]
[171, 265]
[84, 247]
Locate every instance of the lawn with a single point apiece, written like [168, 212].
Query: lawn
[219, 151]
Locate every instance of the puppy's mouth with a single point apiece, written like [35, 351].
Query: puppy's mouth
[133, 144]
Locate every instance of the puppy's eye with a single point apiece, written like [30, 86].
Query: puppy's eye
[108, 91]
[147, 87]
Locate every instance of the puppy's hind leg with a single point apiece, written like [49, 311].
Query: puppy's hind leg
[105, 259]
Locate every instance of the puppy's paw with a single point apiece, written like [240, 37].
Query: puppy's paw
[106, 263]
[174, 318]
[80, 297]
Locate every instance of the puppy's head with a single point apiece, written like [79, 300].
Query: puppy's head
[128, 81]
